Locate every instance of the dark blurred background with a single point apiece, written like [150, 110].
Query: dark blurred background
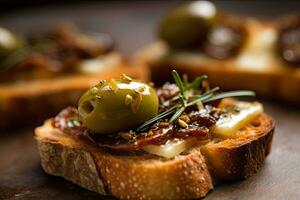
[131, 30]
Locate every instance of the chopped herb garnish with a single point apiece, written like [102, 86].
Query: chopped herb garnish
[186, 99]
[177, 114]
[179, 83]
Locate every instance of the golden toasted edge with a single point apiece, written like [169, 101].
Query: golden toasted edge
[243, 155]
[125, 177]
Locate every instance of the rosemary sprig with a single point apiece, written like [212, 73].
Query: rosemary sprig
[179, 83]
[206, 93]
[182, 96]
[177, 110]
[197, 82]
[160, 116]
[200, 99]
[238, 93]
[177, 114]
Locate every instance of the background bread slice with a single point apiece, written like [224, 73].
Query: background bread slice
[263, 71]
[32, 102]
[187, 176]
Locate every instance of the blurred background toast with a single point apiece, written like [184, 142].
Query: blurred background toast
[41, 74]
[234, 51]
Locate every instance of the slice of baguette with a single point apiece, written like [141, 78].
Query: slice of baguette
[190, 175]
[257, 67]
[27, 102]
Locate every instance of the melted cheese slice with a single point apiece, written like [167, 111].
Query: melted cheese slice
[171, 149]
[228, 125]
[225, 127]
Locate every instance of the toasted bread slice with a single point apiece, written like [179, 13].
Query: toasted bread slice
[257, 66]
[24, 103]
[189, 175]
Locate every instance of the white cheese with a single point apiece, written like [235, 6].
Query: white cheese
[171, 148]
[228, 125]
[225, 127]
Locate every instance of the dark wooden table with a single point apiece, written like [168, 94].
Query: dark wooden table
[132, 25]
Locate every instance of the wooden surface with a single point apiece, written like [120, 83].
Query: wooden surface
[132, 24]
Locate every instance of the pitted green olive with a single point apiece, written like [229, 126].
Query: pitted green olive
[117, 105]
[187, 26]
[8, 42]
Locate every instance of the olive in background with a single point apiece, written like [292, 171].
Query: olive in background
[9, 42]
[117, 105]
[187, 26]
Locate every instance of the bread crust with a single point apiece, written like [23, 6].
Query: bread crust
[275, 79]
[125, 177]
[187, 176]
[23, 104]
[242, 156]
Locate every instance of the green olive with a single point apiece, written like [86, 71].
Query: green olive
[8, 42]
[187, 26]
[117, 105]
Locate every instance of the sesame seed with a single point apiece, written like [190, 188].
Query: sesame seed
[182, 123]
[185, 118]
[113, 85]
[94, 90]
[164, 124]
[200, 105]
[126, 78]
[151, 84]
[140, 89]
